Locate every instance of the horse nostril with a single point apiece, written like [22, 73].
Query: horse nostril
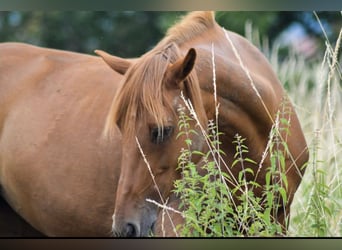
[131, 230]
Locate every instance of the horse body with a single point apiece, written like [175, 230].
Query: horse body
[66, 180]
[56, 170]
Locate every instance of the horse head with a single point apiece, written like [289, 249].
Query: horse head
[146, 111]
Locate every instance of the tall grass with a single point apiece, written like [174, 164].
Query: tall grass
[315, 88]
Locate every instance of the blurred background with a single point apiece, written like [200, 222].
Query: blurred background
[131, 33]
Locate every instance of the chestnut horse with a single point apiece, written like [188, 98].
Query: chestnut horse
[65, 178]
[251, 101]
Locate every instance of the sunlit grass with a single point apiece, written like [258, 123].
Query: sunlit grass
[315, 89]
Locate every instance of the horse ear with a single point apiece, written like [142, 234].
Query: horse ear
[182, 68]
[118, 64]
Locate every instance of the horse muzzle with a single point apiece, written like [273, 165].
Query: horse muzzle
[132, 227]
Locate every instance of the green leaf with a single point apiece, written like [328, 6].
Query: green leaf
[250, 161]
[283, 194]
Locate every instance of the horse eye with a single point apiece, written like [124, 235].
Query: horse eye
[159, 135]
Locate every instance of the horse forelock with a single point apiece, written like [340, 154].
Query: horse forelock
[142, 92]
[142, 89]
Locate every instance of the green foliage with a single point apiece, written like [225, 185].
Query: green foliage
[125, 33]
[131, 33]
[214, 208]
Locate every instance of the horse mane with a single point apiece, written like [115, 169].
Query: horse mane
[142, 88]
[189, 27]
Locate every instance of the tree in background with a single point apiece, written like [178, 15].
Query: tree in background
[131, 33]
[122, 33]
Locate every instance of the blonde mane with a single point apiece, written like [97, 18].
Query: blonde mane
[142, 90]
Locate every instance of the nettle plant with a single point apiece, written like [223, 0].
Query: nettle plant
[211, 205]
